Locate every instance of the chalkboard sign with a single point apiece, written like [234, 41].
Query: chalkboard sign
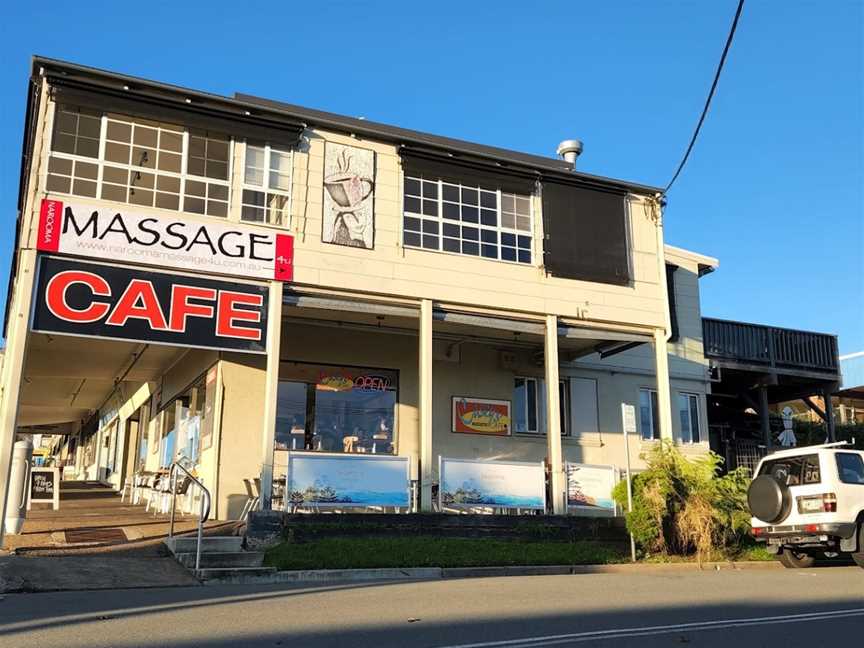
[44, 486]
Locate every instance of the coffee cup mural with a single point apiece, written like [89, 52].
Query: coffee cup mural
[349, 194]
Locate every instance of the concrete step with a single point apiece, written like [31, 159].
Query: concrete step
[222, 559]
[234, 574]
[209, 544]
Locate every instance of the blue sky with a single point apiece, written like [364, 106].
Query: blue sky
[773, 188]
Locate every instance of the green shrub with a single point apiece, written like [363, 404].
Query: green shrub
[681, 505]
[815, 432]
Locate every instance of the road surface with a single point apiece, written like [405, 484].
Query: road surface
[816, 607]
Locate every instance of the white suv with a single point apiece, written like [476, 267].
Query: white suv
[809, 502]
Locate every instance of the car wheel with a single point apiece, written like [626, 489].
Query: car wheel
[795, 560]
[858, 556]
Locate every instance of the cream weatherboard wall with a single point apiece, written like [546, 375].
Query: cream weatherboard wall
[391, 269]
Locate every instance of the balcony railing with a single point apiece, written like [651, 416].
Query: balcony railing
[770, 346]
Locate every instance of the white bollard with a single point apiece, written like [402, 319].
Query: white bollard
[16, 499]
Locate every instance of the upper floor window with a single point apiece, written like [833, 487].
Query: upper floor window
[138, 161]
[266, 185]
[467, 220]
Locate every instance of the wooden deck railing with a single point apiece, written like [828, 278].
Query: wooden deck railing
[770, 346]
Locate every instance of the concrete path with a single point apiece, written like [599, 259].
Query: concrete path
[59, 573]
[789, 608]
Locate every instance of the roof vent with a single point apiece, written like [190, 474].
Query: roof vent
[569, 150]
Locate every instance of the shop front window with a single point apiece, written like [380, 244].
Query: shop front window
[336, 409]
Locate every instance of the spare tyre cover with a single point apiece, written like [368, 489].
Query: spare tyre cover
[768, 499]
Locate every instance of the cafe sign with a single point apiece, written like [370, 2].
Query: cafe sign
[122, 303]
[481, 416]
[110, 233]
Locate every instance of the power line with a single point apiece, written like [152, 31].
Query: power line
[710, 95]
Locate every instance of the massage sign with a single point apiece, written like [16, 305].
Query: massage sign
[123, 303]
[214, 247]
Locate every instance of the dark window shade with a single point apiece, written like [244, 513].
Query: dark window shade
[464, 172]
[188, 115]
[673, 309]
[585, 234]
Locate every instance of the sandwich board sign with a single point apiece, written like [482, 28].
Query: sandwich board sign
[44, 487]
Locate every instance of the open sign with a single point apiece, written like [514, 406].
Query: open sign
[119, 302]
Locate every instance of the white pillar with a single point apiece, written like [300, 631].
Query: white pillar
[664, 392]
[271, 391]
[553, 418]
[13, 366]
[424, 405]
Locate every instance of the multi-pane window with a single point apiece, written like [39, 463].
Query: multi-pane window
[138, 161]
[529, 406]
[466, 220]
[266, 185]
[688, 413]
[649, 415]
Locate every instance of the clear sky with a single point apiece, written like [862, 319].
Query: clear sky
[773, 189]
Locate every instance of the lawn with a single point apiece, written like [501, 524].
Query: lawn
[427, 551]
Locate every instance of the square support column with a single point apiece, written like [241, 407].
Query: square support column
[764, 418]
[553, 418]
[271, 392]
[829, 415]
[664, 390]
[424, 405]
[13, 367]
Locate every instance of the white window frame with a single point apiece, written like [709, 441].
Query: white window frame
[653, 435]
[540, 403]
[687, 435]
[183, 176]
[441, 221]
[265, 186]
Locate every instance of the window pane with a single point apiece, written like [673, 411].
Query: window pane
[531, 386]
[354, 420]
[84, 188]
[646, 419]
[118, 131]
[850, 468]
[412, 187]
[60, 184]
[684, 417]
[694, 418]
[520, 406]
[291, 417]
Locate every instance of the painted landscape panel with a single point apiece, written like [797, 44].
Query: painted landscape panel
[498, 484]
[347, 480]
[589, 488]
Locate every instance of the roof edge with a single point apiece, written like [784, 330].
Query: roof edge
[551, 167]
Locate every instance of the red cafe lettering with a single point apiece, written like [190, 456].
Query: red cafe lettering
[228, 308]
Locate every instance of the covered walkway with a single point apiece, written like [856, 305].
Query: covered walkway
[92, 517]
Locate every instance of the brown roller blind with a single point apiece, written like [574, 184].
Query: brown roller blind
[188, 115]
[585, 234]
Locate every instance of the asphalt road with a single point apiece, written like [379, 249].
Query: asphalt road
[816, 607]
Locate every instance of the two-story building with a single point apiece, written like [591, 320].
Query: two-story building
[233, 279]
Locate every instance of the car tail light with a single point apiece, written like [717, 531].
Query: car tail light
[824, 503]
[756, 531]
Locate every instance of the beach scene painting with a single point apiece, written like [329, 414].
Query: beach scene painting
[589, 489]
[499, 484]
[347, 480]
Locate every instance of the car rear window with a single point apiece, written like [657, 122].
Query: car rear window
[850, 468]
[794, 471]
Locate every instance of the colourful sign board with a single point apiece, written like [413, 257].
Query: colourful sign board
[589, 489]
[347, 481]
[122, 303]
[155, 239]
[481, 416]
[466, 483]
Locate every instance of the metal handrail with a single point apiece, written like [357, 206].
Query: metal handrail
[204, 513]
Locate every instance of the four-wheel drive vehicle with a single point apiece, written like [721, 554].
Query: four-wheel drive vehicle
[808, 503]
